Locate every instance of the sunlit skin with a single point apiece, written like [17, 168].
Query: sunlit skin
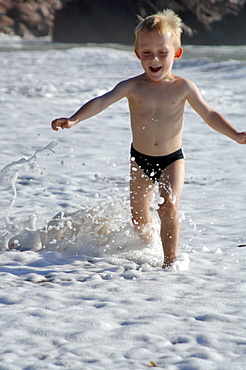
[156, 102]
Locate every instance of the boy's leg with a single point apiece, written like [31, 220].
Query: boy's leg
[170, 187]
[141, 194]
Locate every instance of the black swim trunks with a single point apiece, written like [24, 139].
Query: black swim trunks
[152, 165]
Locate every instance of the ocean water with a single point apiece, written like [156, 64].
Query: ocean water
[78, 288]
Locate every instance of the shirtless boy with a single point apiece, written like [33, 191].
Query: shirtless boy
[156, 101]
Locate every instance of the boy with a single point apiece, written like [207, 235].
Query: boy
[156, 102]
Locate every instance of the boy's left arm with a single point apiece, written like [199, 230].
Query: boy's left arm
[214, 119]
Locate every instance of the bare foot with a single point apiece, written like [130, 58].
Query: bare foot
[168, 261]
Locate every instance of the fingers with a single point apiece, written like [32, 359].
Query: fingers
[54, 125]
[59, 123]
[242, 138]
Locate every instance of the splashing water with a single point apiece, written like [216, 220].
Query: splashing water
[103, 230]
[100, 230]
[9, 176]
[97, 231]
[9, 173]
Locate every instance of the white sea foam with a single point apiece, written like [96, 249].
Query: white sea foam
[78, 288]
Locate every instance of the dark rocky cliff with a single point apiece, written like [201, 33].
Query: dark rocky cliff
[113, 21]
[28, 17]
[105, 21]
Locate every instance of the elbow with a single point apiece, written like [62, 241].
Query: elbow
[212, 117]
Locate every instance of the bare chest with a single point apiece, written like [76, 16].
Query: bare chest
[156, 101]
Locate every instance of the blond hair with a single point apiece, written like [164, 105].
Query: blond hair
[163, 23]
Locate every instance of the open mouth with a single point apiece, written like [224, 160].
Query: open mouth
[155, 69]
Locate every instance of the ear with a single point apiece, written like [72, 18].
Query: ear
[178, 54]
[137, 53]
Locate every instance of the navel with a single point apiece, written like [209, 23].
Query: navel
[156, 143]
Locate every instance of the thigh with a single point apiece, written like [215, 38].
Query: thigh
[172, 181]
[141, 194]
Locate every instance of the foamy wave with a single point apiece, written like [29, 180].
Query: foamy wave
[105, 230]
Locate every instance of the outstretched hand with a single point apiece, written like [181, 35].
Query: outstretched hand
[61, 123]
[241, 138]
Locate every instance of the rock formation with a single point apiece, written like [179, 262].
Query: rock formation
[113, 21]
[28, 17]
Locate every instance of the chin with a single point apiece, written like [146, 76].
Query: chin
[157, 78]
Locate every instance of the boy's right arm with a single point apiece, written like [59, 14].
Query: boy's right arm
[93, 107]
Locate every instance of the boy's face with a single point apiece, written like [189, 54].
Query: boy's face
[156, 53]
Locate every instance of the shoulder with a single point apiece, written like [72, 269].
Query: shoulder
[182, 86]
[189, 87]
[129, 83]
[184, 82]
[127, 86]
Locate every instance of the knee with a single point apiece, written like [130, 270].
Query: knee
[139, 220]
[168, 210]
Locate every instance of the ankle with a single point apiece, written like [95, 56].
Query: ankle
[168, 261]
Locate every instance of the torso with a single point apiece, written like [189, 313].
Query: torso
[157, 114]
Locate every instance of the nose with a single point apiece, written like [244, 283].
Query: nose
[154, 57]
